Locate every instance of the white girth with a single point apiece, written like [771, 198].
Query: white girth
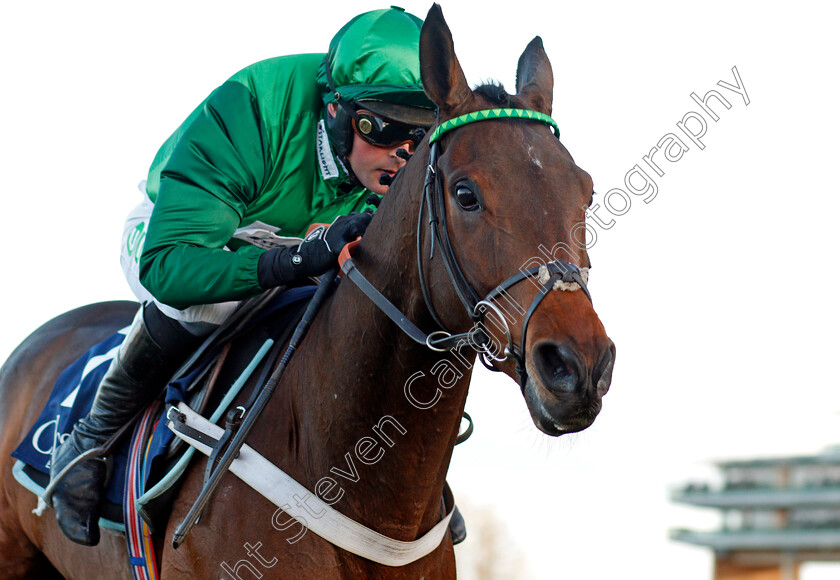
[336, 528]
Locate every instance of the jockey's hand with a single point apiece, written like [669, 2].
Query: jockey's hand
[347, 228]
[316, 254]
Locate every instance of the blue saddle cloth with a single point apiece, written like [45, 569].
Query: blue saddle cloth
[75, 389]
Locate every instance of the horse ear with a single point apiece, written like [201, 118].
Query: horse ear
[443, 78]
[534, 78]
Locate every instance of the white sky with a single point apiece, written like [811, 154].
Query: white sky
[720, 294]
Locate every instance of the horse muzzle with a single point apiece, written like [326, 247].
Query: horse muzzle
[562, 392]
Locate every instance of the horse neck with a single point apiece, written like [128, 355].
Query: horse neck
[356, 423]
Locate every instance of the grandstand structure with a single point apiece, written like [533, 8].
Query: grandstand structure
[776, 513]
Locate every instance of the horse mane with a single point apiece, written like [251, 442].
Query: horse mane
[495, 92]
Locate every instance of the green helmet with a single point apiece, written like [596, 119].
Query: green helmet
[373, 63]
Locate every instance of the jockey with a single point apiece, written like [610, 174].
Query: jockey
[284, 143]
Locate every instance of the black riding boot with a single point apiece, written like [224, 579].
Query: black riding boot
[152, 351]
[457, 527]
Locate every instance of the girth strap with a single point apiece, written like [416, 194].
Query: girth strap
[282, 491]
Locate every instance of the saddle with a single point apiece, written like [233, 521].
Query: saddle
[148, 467]
[207, 382]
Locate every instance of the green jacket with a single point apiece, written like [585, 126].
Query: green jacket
[254, 151]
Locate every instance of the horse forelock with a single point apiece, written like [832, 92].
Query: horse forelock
[495, 92]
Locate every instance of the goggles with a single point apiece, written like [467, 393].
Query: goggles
[381, 133]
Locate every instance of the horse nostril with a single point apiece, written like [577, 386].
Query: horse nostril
[602, 374]
[559, 367]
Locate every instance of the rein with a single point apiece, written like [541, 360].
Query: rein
[557, 274]
[227, 445]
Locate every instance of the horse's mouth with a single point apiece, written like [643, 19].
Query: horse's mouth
[555, 417]
[563, 393]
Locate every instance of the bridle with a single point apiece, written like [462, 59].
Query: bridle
[555, 274]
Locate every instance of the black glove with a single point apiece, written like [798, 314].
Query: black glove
[345, 229]
[316, 254]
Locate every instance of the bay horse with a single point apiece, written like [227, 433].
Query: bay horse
[507, 187]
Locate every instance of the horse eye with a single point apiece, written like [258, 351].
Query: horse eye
[466, 198]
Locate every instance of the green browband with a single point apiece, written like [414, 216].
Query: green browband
[488, 114]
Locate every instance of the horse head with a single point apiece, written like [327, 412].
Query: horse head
[509, 226]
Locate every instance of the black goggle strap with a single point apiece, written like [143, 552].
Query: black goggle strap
[348, 108]
[330, 80]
